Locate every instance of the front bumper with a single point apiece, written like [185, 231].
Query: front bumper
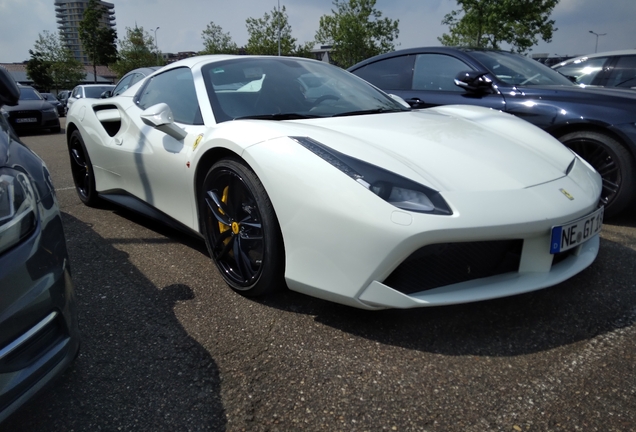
[42, 120]
[39, 336]
[342, 242]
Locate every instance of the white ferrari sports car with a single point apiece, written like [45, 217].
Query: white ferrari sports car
[298, 174]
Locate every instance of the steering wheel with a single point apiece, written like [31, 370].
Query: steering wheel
[323, 98]
[532, 78]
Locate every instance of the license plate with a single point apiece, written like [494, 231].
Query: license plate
[26, 120]
[574, 233]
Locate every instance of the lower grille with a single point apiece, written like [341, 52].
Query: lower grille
[439, 265]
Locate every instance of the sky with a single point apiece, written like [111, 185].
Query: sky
[180, 22]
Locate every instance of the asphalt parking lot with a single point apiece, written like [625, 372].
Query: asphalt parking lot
[167, 346]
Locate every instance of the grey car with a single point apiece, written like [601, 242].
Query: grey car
[606, 69]
[50, 98]
[39, 337]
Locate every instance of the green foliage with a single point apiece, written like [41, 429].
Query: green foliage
[98, 39]
[489, 23]
[356, 31]
[52, 65]
[37, 70]
[264, 33]
[136, 50]
[217, 42]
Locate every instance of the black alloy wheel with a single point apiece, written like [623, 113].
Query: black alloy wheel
[241, 229]
[612, 161]
[82, 170]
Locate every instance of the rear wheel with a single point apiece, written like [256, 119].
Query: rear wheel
[241, 229]
[613, 162]
[82, 170]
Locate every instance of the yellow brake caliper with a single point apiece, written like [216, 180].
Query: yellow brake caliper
[222, 226]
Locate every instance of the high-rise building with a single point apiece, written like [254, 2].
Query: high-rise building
[69, 13]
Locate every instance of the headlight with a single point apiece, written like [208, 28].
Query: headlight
[17, 208]
[51, 110]
[395, 189]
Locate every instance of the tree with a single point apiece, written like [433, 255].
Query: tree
[264, 34]
[217, 42]
[136, 50]
[37, 70]
[356, 31]
[489, 23]
[98, 39]
[52, 65]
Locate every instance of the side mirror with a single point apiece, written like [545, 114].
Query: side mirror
[106, 94]
[473, 81]
[399, 100]
[160, 117]
[9, 92]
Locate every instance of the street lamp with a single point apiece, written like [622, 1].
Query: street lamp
[156, 46]
[597, 35]
[278, 25]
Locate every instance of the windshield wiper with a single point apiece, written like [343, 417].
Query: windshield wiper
[371, 111]
[279, 116]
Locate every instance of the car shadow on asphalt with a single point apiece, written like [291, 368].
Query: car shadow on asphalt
[599, 300]
[138, 369]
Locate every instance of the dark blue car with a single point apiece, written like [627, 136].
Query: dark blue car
[39, 337]
[598, 124]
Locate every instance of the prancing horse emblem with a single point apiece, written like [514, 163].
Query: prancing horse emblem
[567, 194]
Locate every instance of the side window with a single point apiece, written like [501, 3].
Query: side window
[123, 85]
[175, 88]
[584, 71]
[135, 78]
[624, 73]
[390, 74]
[437, 72]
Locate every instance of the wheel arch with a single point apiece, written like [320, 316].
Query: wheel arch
[587, 127]
[70, 128]
[209, 158]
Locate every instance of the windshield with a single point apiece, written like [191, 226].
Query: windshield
[582, 70]
[28, 93]
[288, 88]
[96, 92]
[516, 70]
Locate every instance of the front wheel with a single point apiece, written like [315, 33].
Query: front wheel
[82, 170]
[613, 162]
[241, 229]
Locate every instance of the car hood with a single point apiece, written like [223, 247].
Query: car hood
[463, 148]
[601, 96]
[37, 105]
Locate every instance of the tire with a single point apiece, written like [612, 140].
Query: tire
[82, 170]
[614, 163]
[241, 230]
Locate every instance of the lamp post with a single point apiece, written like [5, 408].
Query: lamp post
[597, 35]
[156, 46]
[278, 25]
